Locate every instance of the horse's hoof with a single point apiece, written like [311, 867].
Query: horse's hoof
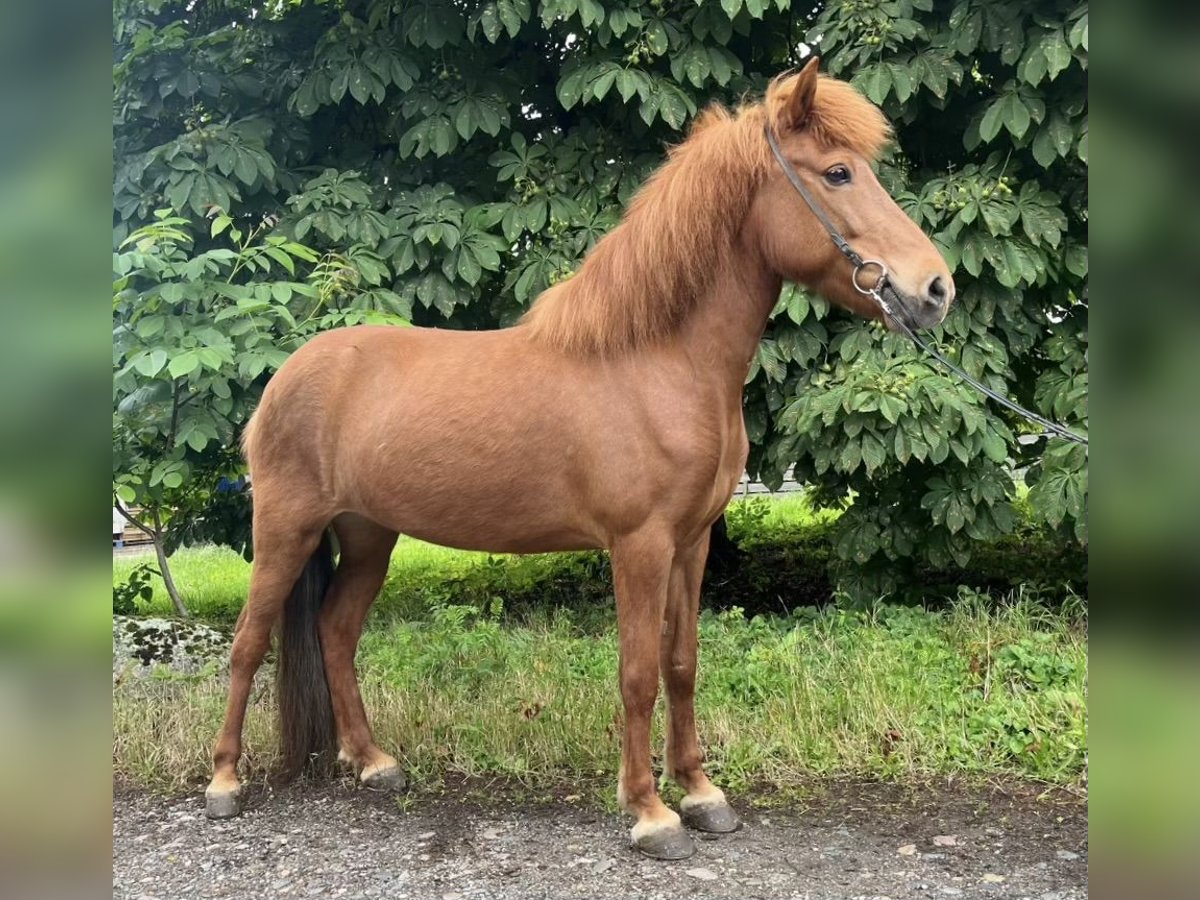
[390, 778]
[715, 818]
[665, 843]
[222, 805]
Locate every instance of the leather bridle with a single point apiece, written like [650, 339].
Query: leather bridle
[890, 301]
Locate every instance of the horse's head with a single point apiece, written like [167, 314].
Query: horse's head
[829, 134]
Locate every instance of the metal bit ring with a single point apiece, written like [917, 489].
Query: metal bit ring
[878, 285]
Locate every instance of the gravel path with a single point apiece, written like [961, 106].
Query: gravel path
[849, 841]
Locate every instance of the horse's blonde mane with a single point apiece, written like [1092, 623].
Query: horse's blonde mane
[641, 280]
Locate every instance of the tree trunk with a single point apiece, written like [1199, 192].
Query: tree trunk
[165, 571]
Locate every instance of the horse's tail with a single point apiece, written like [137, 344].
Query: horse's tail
[306, 726]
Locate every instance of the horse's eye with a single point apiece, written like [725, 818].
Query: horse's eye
[838, 175]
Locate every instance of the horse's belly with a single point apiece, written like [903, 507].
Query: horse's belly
[491, 540]
[501, 508]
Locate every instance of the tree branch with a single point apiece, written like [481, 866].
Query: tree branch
[174, 413]
[131, 520]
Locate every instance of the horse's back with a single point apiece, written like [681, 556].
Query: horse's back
[431, 432]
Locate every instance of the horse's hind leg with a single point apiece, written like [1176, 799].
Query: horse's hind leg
[280, 553]
[362, 566]
[704, 807]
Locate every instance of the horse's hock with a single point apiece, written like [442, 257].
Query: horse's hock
[142, 647]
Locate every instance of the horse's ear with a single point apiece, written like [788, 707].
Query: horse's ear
[797, 104]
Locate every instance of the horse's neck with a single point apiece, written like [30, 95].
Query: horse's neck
[723, 331]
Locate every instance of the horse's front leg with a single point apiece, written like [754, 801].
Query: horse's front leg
[704, 807]
[641, 573]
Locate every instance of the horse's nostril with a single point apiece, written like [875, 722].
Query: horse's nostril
[936, 290]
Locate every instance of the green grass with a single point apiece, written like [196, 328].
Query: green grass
[485, 665]
[895, 693]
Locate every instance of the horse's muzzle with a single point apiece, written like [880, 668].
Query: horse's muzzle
[918, 313]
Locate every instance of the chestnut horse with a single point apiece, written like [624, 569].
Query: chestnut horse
[609, 417]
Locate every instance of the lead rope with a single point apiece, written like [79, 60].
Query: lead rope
[1051, 427]
[881, 284]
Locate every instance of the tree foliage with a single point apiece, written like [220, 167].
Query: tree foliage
[444, 161]
[990, 106]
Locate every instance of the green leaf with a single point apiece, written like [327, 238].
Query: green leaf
[673, 107]
[489, 21]
[197, 440]
[570, 89]
[151, 363]
[967, 28]
[627, 84]
[282, 258]
[873, 453]
[1079, 33]
[184, 364]
[891, 407]
[1076, 260]
[591, 12]
[993, 446]
[955, 516]
[511, 17]
[337, 87]
[1033, 66]
[648, 108]
[468, 267]
[656, 38]
[245, 167]
[797, 305]
[305, 100]
[902, 449]
[998, 216]
[875, 82]
[1043, 148]
[1062, 133]
[993, 120]
[902, 81]
[1057, 53]
[177, 193]
[1017, 117]
[403, 73]
[723, 65]
[602, 84]
[361, 84]
[464, 120]
[850, 457]
[935, 74]
[536, 213]
[491, 119]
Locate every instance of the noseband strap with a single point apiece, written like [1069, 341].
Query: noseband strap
[882, 289]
